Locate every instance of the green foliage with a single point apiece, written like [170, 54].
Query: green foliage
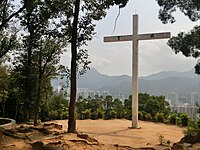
[86, 114]
[192, 128]
[64, 115]
[188, 45]
[148, 117]
[178, 121]
[173, 118]
[153, 104]
[198, 123]
[100, 114]
[184, 119]
[159, 117]
[141, 115]
[189, 8]
[54, 115]
[113, 114]
[57, 108]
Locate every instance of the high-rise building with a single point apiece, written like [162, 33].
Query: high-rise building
[194, 98]
[97, 93]
[173, 96]
[84, 92]
[91, 94]
[105, 93]
[186, 108]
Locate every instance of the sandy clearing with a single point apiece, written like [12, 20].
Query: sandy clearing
[117, 132]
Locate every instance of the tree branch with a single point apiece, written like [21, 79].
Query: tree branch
[11, 16]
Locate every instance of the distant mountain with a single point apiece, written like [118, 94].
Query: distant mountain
[95, 80]
[167, 74]
[156, 84]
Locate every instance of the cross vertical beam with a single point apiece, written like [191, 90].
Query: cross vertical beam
[135, 73]
[135, 38]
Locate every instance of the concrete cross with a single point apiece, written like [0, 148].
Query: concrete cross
[135, 37]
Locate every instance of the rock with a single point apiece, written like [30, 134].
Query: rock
[178, 146]
[53, 125]
[86, 137]
[187, 144]
[191, 139]
[38, 145]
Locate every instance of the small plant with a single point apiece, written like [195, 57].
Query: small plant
[163, 141]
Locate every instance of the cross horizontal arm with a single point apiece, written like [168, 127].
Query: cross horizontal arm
[121, 38]
[152, 36]
[149, 36]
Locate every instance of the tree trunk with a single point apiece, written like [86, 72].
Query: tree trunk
[38, 98]
[72, 104]
[3, 108]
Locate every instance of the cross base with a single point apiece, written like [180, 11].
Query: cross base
[135, 127]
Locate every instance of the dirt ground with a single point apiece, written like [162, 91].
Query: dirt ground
[117, 132]
[103, 135]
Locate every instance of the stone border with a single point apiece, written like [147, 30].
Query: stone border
[8, 125]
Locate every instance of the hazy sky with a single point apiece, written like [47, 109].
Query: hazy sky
[154, 56]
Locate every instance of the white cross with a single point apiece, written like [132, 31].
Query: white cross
[135, 38]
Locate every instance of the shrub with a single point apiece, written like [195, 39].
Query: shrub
[198, 123]
[184, 119]
[100, 114]
[94, 115]
[192, 128]
[53, 114]
[128, 115]
[159, 117]
[65, 115]
[86, 114]
[178, 121]
[140, 115]
[148, 117]
[172, 118]
[120, 114]
[113, 114]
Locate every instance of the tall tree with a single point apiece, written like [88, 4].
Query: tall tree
[82, 31]
[8, 13]
[187, 43]
[41, 49]
[4, 79]
[48, 58]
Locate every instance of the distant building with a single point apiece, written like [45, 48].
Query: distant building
[194, 97]
[169, 101]
[91, 94]
[105, 93]
[97, 93]
[84, 92]
[173, 96]
[186, 108]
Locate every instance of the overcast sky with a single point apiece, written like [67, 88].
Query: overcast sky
[154, 56]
